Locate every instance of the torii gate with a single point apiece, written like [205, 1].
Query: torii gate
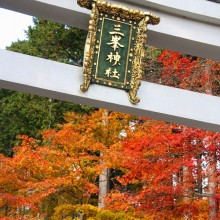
[186, 26]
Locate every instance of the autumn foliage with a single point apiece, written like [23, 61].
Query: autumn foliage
[166, 176]
[162, 176]
[64, 169]
[183, 71]
[158, 170]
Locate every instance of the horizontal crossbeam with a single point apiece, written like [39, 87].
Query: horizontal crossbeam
[61, 81]
[186, 26]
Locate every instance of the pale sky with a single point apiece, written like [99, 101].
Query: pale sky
[12, 26]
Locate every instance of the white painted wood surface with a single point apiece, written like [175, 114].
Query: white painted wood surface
[61, 81]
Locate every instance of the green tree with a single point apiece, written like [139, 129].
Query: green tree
[22, 113]
[53, 41]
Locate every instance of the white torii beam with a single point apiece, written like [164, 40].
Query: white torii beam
[182, 29]
[61, 81]
[190, 27]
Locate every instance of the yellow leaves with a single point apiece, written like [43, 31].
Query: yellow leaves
[89, 212]
[73, 211]
[48, 135]
[68, 164]
[102, 126]
[73, 117]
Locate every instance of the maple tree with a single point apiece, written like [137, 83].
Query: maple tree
[166, 176]
[182, 71]
[162, 176]
[63, 170]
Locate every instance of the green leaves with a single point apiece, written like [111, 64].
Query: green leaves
[22, 113]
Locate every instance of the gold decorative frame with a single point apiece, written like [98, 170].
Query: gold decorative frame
[123, 12]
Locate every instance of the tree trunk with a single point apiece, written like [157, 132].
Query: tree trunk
[199, 187]
[104, 176]
[187, 191]
[103, 187]
[212, 188]
[208, 72]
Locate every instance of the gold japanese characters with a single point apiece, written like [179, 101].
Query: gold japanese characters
[114, 56]
[114, 47]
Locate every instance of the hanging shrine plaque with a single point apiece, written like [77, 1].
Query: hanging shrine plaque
[115, 46]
